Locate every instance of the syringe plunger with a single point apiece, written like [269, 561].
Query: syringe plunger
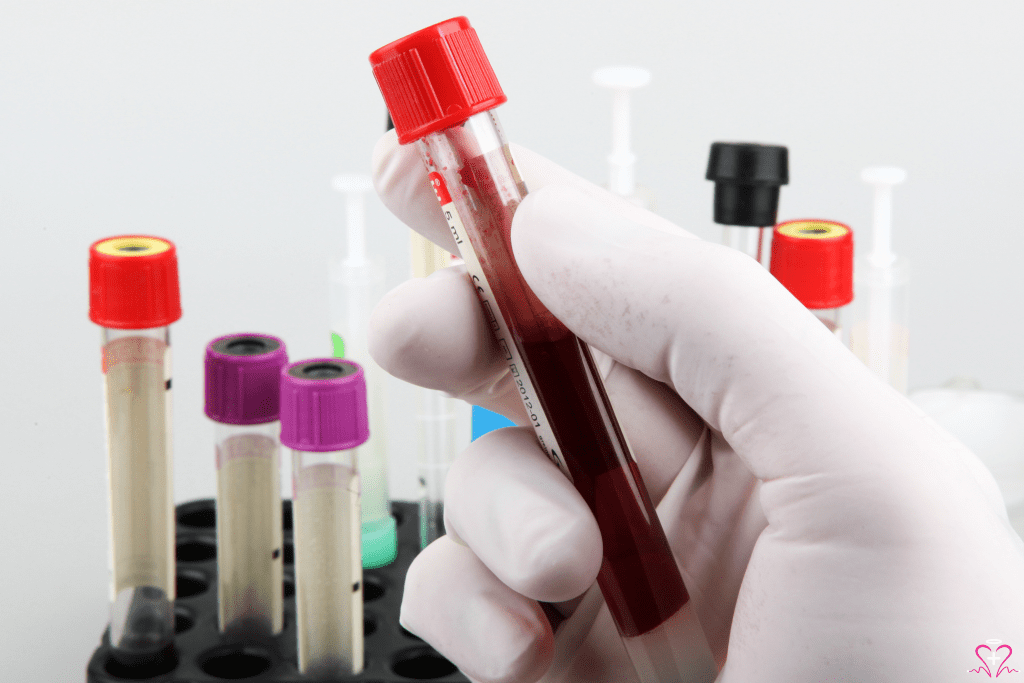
[621, 80]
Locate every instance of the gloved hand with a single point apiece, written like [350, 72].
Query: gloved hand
[826, 530]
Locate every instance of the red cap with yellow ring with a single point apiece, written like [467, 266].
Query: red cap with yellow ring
[813, 259]
[133, 282]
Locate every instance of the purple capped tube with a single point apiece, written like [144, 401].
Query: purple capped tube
[243, 393]
[324, 420]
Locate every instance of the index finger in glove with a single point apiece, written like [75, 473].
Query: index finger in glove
[432, 331]
[401, 181]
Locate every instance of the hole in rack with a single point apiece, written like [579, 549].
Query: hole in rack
[289, 587]
[373, 588]
[286, 514]
[191, 583]
[183, 620]
[141, 667]
[421, 663]
[289, 553]
[369, 624]
[398, 515]
[235, 663]
[196, 551]
[409, 634]
[198, 516]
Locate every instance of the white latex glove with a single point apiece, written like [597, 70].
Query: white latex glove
[882, 553]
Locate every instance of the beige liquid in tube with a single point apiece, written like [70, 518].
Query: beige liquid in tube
[138, 417]
[328, 575]
[249, 534]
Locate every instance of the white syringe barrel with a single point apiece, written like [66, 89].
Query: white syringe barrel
[880, 315]
[879, 333]
[134, 297]
[355, 290]
[357, 284]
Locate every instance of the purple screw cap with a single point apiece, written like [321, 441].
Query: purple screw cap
[243, 378]
[323, 405]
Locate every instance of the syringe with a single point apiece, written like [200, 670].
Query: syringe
[880, 333]
[435, 414]
[324, 420]
[134, 297]
[357, 284]
[747, 178]
[440, 89]
[813, 259]
[242, 397]
[621, 80]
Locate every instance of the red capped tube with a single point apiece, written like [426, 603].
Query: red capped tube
[134, 298]
[813, 259]
[441, 90]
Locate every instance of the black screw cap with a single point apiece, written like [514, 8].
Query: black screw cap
[747, 178]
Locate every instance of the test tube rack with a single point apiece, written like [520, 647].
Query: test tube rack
[392, 654]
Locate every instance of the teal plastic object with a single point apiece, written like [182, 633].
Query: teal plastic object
[487, 421]
[380, 542]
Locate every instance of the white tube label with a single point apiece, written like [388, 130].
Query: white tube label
[527, 392]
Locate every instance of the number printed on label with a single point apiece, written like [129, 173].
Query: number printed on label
[527, 393]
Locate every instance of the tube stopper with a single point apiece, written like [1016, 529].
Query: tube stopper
[323, 405]
[813, 259]
[243, 378]
[435, 78]
[133, 282]
[747, 178]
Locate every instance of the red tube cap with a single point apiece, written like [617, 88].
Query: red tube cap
[435, 78]
[133, 282]
[813, 259]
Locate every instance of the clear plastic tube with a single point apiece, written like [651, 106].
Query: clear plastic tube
[832, 318]
[880, 332]
[479, 188]
[137, 409]
[249, 529]
[328, 569]
[435, 425]
[356, 288]
[754, 242]
[357, 284]
[436, 415]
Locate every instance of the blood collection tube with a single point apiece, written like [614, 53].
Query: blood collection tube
[813, 259]
[134, 297]
[324, 419]
[243, 392]
[747, 178]
[435, 415]
[440, 90]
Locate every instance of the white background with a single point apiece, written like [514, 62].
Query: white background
[220, 124]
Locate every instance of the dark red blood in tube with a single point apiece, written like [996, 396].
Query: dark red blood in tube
[639, 577]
